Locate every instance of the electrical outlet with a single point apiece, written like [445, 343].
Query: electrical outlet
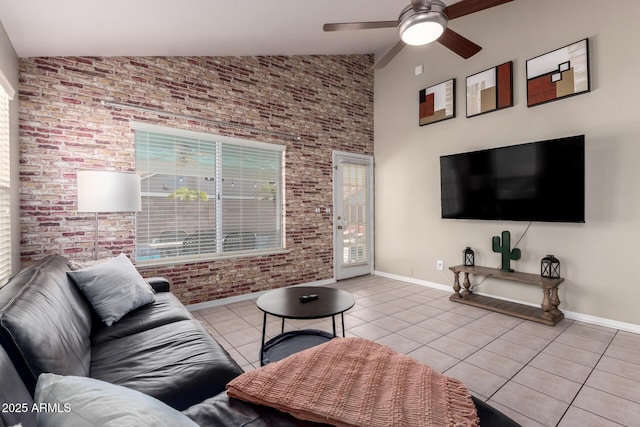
[440, 265]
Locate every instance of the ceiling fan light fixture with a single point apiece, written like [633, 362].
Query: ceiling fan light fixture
[422, 33]
[422, 27]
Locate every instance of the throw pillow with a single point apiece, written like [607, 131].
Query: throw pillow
[349, 382]
[78, 265]
[80, 401]
[113, 288]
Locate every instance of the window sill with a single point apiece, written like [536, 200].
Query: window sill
[194, 259]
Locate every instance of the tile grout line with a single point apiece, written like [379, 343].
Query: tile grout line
[373, 290]
[541, 351]
[587, 379]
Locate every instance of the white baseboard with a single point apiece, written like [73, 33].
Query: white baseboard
[587, 318]
[415, 281]
[601, 321]
[246, 297]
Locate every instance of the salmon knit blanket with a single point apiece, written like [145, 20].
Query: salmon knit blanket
[357, 382]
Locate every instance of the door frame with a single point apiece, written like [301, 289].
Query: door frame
[338, 253]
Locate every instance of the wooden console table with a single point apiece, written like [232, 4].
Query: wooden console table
[549, 314]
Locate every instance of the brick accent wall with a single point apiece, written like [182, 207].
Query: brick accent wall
[327, 100]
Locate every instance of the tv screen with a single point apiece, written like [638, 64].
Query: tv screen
[538, 181]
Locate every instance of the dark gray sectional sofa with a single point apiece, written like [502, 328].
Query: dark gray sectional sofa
[48, 326]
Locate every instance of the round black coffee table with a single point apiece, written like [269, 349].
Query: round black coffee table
[286, 303]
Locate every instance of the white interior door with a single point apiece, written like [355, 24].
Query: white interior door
[352, 215]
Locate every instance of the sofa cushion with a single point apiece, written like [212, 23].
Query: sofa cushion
[178, 363]
[85, 402]
[165, 309]
[15, 396]
[113, 288]
[45, 322]
[221, 410]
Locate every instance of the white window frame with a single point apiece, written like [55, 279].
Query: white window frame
[5, 184]
[219, 141]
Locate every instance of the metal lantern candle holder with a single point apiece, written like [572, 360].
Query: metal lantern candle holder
[467, 256]
[550, 267]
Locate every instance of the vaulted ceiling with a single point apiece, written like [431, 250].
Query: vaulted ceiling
[198, 27]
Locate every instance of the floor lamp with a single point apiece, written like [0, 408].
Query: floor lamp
[107, 191]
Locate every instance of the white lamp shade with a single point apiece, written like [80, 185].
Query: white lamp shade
[107, 191]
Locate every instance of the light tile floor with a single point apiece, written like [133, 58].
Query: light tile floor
[572, 374]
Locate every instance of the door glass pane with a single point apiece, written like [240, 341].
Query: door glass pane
[354, 192]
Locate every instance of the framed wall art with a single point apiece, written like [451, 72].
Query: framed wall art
[437, 103]
[490, 90]
[558, 74]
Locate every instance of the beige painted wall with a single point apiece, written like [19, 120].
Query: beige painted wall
[599, 258]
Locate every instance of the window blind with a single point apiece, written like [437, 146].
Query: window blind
[5, 189]
[205, 195]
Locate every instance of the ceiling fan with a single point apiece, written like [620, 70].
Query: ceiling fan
[423, 22]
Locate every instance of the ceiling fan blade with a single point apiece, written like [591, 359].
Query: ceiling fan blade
[460, 45]
[359, 25]
[466, 7]
[389, 55]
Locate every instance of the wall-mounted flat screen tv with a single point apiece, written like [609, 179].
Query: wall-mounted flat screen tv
[538, 181]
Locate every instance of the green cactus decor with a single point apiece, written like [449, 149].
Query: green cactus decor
[504, 248]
